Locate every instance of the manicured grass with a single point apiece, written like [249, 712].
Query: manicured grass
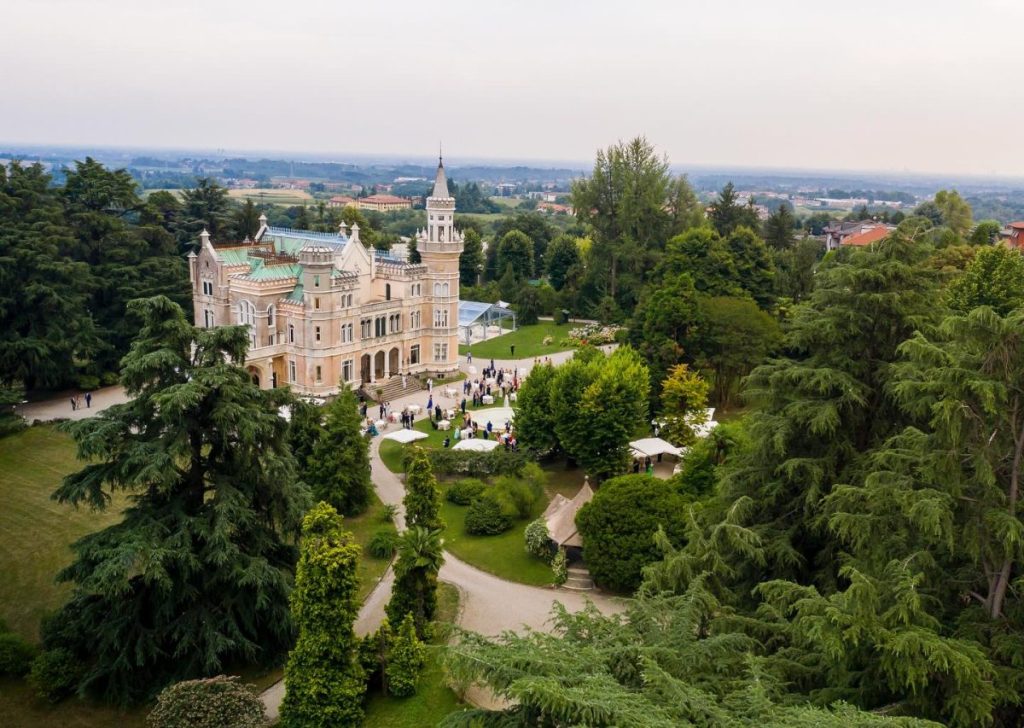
[363, 527]
[35, 531]
[19, 708]
[527, 340]
[433, 699]
[391, 452]
[503, 555]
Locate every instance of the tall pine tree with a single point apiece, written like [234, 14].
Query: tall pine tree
[197, 574]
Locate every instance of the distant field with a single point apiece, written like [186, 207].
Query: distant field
[273, 196]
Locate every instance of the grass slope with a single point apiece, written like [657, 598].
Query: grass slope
[527, 340]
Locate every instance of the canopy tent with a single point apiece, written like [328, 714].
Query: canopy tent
[476, 317]
[560, 516]
[476, 444]
[654, 446]
[497, 416]
[405, 436]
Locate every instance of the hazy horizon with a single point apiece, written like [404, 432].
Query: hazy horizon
[908, 88]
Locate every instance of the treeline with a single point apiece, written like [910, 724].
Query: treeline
[849, 553]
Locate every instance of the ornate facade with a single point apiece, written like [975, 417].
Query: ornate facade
[323, 311]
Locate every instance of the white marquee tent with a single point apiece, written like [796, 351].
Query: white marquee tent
[476, 444]
[405, 436]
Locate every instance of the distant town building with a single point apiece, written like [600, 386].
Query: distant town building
[384, 203]
[554, 208]
[1013, 235]
[342, 201]
[859, 233]
[325, 312]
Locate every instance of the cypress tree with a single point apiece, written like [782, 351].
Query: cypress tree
[324, 679]
[422, 496]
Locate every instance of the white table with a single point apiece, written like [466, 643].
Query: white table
[444, 425]
[512, 397]
[487, 399]
[415, 409]
[451, 392]
[380, 425]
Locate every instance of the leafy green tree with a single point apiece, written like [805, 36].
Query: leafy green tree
[995, 278]
[563, 256]
[415, 589]
[197, 573]
[703, 255]
[406, 659]
[515, 251]
[665, 325]
[755, 268]
[535, 417]
[534, 226]
[45, 327]
[324, 680]
[667, 662]
[338, 468]
[302, 219]
[633, 207]
[618, 527]
[599, 406]
[684, 400]
[794, 269]
[726, 213]
[985, 232]
[422, 499]
[736, 336]
[527, 304]
[471, 259]
[955, 211]
[779, 228]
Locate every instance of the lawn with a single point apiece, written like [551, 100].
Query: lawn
[35, 531]
[528, 341]
[433, 699]
[363, 527]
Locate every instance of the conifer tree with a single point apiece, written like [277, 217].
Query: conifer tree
[422, 499]
[405, 660]
[324, 680]
[338, 469]
[196, 575]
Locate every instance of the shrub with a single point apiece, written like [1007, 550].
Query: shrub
[383, 543]
[618, 528]
[517, 497]
[463, 492]
[55, 674]
[405, 660]
[477, 464]
[538, 540]
[217, 702]
[388, 513]
[559, 568]
[15, 655]
[485, 517]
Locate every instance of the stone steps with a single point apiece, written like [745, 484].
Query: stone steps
[579, 579]
[392, 389]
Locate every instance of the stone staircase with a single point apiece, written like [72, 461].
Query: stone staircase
[579, 579]
[391, 389]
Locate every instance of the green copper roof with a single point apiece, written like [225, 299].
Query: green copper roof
[233, 256]
[262, 272]
[296, 294]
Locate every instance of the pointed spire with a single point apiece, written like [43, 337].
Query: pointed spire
[204, 237]
[440, 181]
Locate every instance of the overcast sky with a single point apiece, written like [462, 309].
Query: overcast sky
[922, 85]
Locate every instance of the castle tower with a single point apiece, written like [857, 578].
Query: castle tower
[440, 246]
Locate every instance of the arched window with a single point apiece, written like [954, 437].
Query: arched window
[246, 313]
[387, 291]
[270, 315]
[444, 289]
[437, 289]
